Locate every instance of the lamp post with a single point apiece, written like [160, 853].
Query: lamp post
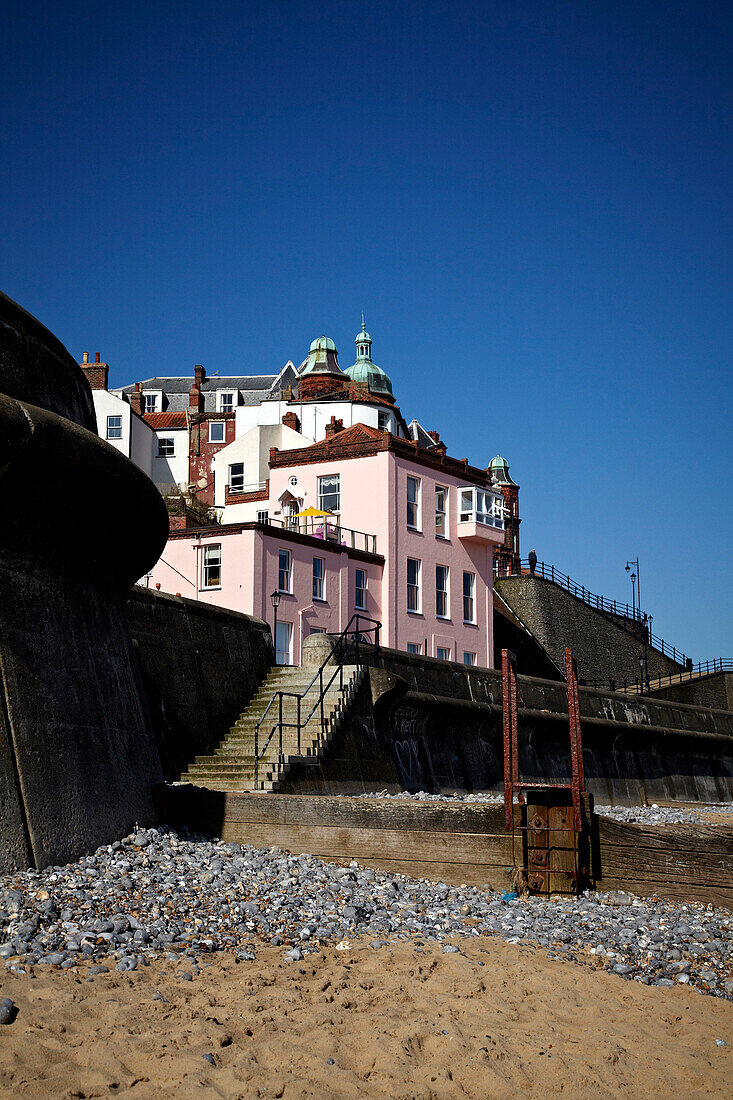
[275, 600]
[635, 577]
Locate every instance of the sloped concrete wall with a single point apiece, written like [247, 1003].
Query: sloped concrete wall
[604, 650]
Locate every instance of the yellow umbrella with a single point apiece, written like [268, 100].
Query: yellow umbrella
[311, 513]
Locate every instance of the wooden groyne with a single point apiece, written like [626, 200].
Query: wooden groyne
[457, 842]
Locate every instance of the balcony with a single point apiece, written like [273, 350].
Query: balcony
[480, 515]
[330, 530]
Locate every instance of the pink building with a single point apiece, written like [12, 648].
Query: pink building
[408, 538]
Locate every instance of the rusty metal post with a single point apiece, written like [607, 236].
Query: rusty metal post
[510, 733]
[576, 743]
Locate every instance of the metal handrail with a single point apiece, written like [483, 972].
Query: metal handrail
[600, 603]
[355, 637]
[668, 679]
[328, 529]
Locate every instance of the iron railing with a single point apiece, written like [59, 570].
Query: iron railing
[347, 643]
[645, 683]
[328, 529]
[600, 603]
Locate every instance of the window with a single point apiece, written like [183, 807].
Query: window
[211, 567]
[329, 493]
[317, 630]
[226, 402]
[441, 520]
[236, 477]
[469, 658]
[483, 507]
[441, 591]
[443, 654]
[284, 571]
[263, 517]
[217, 431]
[383, 421]
[360, 583]
[318, 570]
[469, 610]
[413, 584]
[114, 427]
[414, 647]
[166, 447]
[150, 403]
[413, 503]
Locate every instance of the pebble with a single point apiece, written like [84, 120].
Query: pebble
[8, 1010]
[178, 896]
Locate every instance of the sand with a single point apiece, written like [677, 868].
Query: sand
[397, 1022]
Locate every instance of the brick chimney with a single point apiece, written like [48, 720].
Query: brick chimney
[195, 397]
[97, 373]
[334, 427]
[199, 374]
[290, 420]
[434, 436]
[136, 400]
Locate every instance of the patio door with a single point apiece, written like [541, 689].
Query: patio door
[284, 643]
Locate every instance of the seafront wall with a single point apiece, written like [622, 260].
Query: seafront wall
[199, 667]
[434, 726]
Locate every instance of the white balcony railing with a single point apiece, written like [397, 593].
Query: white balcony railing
[328, 530]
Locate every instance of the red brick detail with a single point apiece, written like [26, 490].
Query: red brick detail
[97, 374]
[177, 523]
[201, 452]
[434, 436]
[199, 374]
[318, 385]
[290, 420]
[361, 440]
[136, 400]
[195, 398]
[334, 426]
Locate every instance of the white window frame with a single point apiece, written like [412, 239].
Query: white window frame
[285, 571]
[469, 659]
[329, 494]
[414, 593]
[235, 482]
[442, 595]
[360, 605]
[263, 516]
[480, 506]
[469, 598]
[114, 431]
[319, 579]
[227, 406]
[211, 566]
[444, 653]
[441, 514]
[166, 439]
[414, 647]
[413, 506]
[218, 424]
[150, 403]
[383, 420]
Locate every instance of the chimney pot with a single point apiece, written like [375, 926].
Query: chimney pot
[85, 357]
[96, 357]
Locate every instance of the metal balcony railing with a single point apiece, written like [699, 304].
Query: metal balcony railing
[328, 530]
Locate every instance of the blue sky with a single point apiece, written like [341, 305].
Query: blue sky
[530, 201]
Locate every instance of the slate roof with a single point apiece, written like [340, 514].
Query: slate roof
[252, 389]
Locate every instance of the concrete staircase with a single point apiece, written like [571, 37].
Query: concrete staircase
[231, 767]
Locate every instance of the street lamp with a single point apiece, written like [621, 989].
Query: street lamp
[275, 600]
[635, 577]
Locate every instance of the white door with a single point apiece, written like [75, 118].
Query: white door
[283, 643]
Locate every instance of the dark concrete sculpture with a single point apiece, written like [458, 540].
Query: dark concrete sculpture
[79, 524]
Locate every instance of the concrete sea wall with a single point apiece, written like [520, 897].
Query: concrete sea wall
[199, 667]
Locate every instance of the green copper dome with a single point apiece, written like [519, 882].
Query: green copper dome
[364, 372]
[322, 358]
[499, 470]
[497, 462]
[323, 343]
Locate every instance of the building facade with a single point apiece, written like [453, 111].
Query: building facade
[322, 493]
